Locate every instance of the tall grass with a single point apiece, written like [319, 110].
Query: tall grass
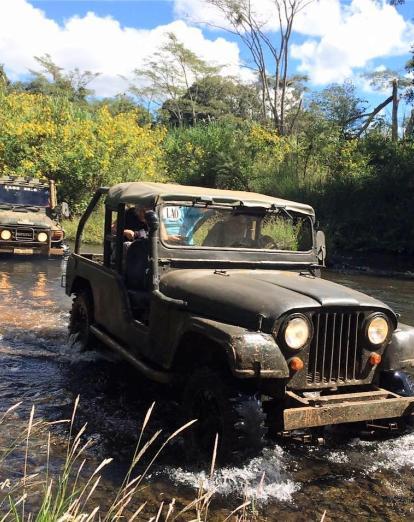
[93, 232]
[69, 496]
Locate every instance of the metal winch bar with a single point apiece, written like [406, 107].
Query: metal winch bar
[342, 408]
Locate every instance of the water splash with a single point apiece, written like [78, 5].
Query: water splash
[263, 478]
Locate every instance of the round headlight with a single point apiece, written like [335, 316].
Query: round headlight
[5, 235]
[378, 329]
[297, 332]
[42, 237]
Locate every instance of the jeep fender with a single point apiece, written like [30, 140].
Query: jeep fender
[399, 354]
[249, 354]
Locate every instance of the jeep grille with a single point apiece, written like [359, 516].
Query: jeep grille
[24, 234]
[335, 351]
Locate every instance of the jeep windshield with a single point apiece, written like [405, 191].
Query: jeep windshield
[24, 195]
[218, 227]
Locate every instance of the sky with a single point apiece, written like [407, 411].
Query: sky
[333, 40]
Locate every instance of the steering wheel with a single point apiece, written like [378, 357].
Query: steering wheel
[267, 243]
[240, 244]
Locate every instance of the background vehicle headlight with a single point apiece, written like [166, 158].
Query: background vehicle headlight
[297, 332]
[42, 237]
[378, 329]
[5, 235]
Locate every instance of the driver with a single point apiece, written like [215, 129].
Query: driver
[232, 232]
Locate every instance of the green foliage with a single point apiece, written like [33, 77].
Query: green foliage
[79, 148]
[51, 80]
[168, 76]
[214, 97]
[223, 154]
[362, 188]
[93, 231]
[340, 106]
[372, 211]
[283, 234]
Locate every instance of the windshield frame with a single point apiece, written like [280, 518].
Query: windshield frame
[249, 210]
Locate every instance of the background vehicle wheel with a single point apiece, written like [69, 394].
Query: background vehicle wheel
[81, 317]
[220, 407]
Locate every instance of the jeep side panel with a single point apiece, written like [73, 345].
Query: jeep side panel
[112, 311]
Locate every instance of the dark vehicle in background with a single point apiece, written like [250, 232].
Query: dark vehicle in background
[29, 217]
[224, 302]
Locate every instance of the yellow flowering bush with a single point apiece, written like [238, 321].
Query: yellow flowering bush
[78, 147]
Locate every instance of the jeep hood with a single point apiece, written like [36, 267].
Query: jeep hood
[240, 296]
[30, 219]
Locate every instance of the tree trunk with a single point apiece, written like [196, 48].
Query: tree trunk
[395, 102]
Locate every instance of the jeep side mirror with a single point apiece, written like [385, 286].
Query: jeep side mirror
[152, 220]
[321, 247]
[64, 210]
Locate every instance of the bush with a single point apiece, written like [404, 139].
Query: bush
[80, 148]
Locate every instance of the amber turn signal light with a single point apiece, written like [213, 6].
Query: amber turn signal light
[374, 359]
[295, 364]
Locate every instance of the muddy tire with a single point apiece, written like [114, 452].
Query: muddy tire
[81, 318]
[221, 408]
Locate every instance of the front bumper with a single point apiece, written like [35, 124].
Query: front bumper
[374, 404]
[18, 248]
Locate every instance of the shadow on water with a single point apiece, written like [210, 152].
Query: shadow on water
[368, 480]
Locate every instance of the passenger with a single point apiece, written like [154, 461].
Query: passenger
[136, 226]
[177, 223]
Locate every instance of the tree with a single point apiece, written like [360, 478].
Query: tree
[168, 75]
[122, 103]
[52, 80]
[251, 29]
[381, 80]
[215, 97]
[340, 105]
[4, 80]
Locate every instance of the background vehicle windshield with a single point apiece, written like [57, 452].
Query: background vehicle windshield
[228, 228]
[20, 195]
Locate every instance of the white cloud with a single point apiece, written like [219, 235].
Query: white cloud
[99, 44]
[311, 21]
[339, 38]
[342, 36]
[364, 31]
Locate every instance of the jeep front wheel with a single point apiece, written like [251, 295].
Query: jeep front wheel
[220, 408]
[81, 318]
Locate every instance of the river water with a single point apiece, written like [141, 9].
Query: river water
[349, 478]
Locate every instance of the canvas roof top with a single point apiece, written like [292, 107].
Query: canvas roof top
[150, 194]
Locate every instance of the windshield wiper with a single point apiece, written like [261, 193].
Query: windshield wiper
[5, 205]
[280, 210]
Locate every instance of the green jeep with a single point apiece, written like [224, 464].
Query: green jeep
[28, 217]
[223, 301]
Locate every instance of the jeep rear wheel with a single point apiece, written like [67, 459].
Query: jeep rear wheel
[81, 318]
[220, 408]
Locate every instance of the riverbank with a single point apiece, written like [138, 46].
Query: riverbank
[372, 263]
